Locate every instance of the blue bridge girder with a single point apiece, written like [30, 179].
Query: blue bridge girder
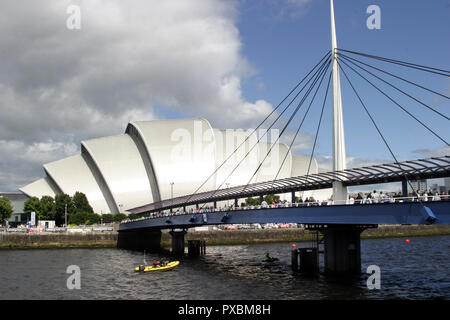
[435, 212]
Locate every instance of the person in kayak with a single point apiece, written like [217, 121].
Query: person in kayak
[268, 258]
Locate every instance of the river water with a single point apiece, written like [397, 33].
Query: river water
[418, 270]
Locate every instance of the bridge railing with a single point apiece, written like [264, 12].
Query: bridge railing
[351, 201]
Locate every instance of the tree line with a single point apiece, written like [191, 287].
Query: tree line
[79, 211]
[256, 201]
[6, 209]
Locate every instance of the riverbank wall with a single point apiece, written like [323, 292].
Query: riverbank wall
[216, 237]
[235, 237]
[55, 241]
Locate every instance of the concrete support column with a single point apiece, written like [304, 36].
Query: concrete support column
[236, 204]
[294, 260]
[177, 241]
[215, 204]
[293, 197]
[196, 248]
[342, 249]
[309, 260]
[261, 199]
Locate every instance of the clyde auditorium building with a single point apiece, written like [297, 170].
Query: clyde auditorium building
[154, 159]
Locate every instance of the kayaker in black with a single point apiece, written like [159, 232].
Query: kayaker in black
[268, 258]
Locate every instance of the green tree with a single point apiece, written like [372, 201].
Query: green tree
[107, 218]
[86, 218]
[47, 208]
[133, 216]
[93, 218]
[119, 217]
[271, 198]
[61, 200]
[78, 218]
[32, 204]
[252, 202]
[81, 203]
[6, 209]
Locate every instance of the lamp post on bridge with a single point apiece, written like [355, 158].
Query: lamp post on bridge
[228, 200]
[171, 193]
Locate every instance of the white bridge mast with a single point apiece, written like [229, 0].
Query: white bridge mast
[339, 191]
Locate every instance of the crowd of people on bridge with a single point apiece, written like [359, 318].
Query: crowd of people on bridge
[360, 198]
[380, 197]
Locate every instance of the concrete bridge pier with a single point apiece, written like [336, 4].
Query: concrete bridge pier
[196, 248]
[342, 249]
[139, 240]
[177, 241]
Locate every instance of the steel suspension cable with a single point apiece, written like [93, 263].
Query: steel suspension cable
[445, 73]
[298, 129]
[395, 102]
[405, 93]
[318, 127]
[290, 119]
[379, 132]
[395, 76]
[321, 61]
[316, 76]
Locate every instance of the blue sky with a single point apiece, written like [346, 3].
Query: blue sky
[282, 41]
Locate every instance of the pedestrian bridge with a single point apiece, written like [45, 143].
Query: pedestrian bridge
[394, 211]
[406, 210]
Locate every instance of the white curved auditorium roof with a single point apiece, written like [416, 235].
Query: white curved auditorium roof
[136, 168]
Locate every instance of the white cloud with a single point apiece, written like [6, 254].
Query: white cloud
[428, 153]
[60, 86]
[22, 162]
[294, 8]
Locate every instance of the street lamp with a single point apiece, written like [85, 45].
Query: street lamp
[228, 201]
[171, 193]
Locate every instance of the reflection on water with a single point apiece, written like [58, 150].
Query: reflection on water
[416, 270]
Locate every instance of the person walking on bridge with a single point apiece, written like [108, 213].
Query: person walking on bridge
[359, 198]
[375, 196]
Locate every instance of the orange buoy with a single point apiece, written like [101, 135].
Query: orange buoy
[293, 246]
[407, 241]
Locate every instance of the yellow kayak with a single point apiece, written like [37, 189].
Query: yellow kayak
[167, 267]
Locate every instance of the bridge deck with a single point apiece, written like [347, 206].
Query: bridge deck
[382, 213]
